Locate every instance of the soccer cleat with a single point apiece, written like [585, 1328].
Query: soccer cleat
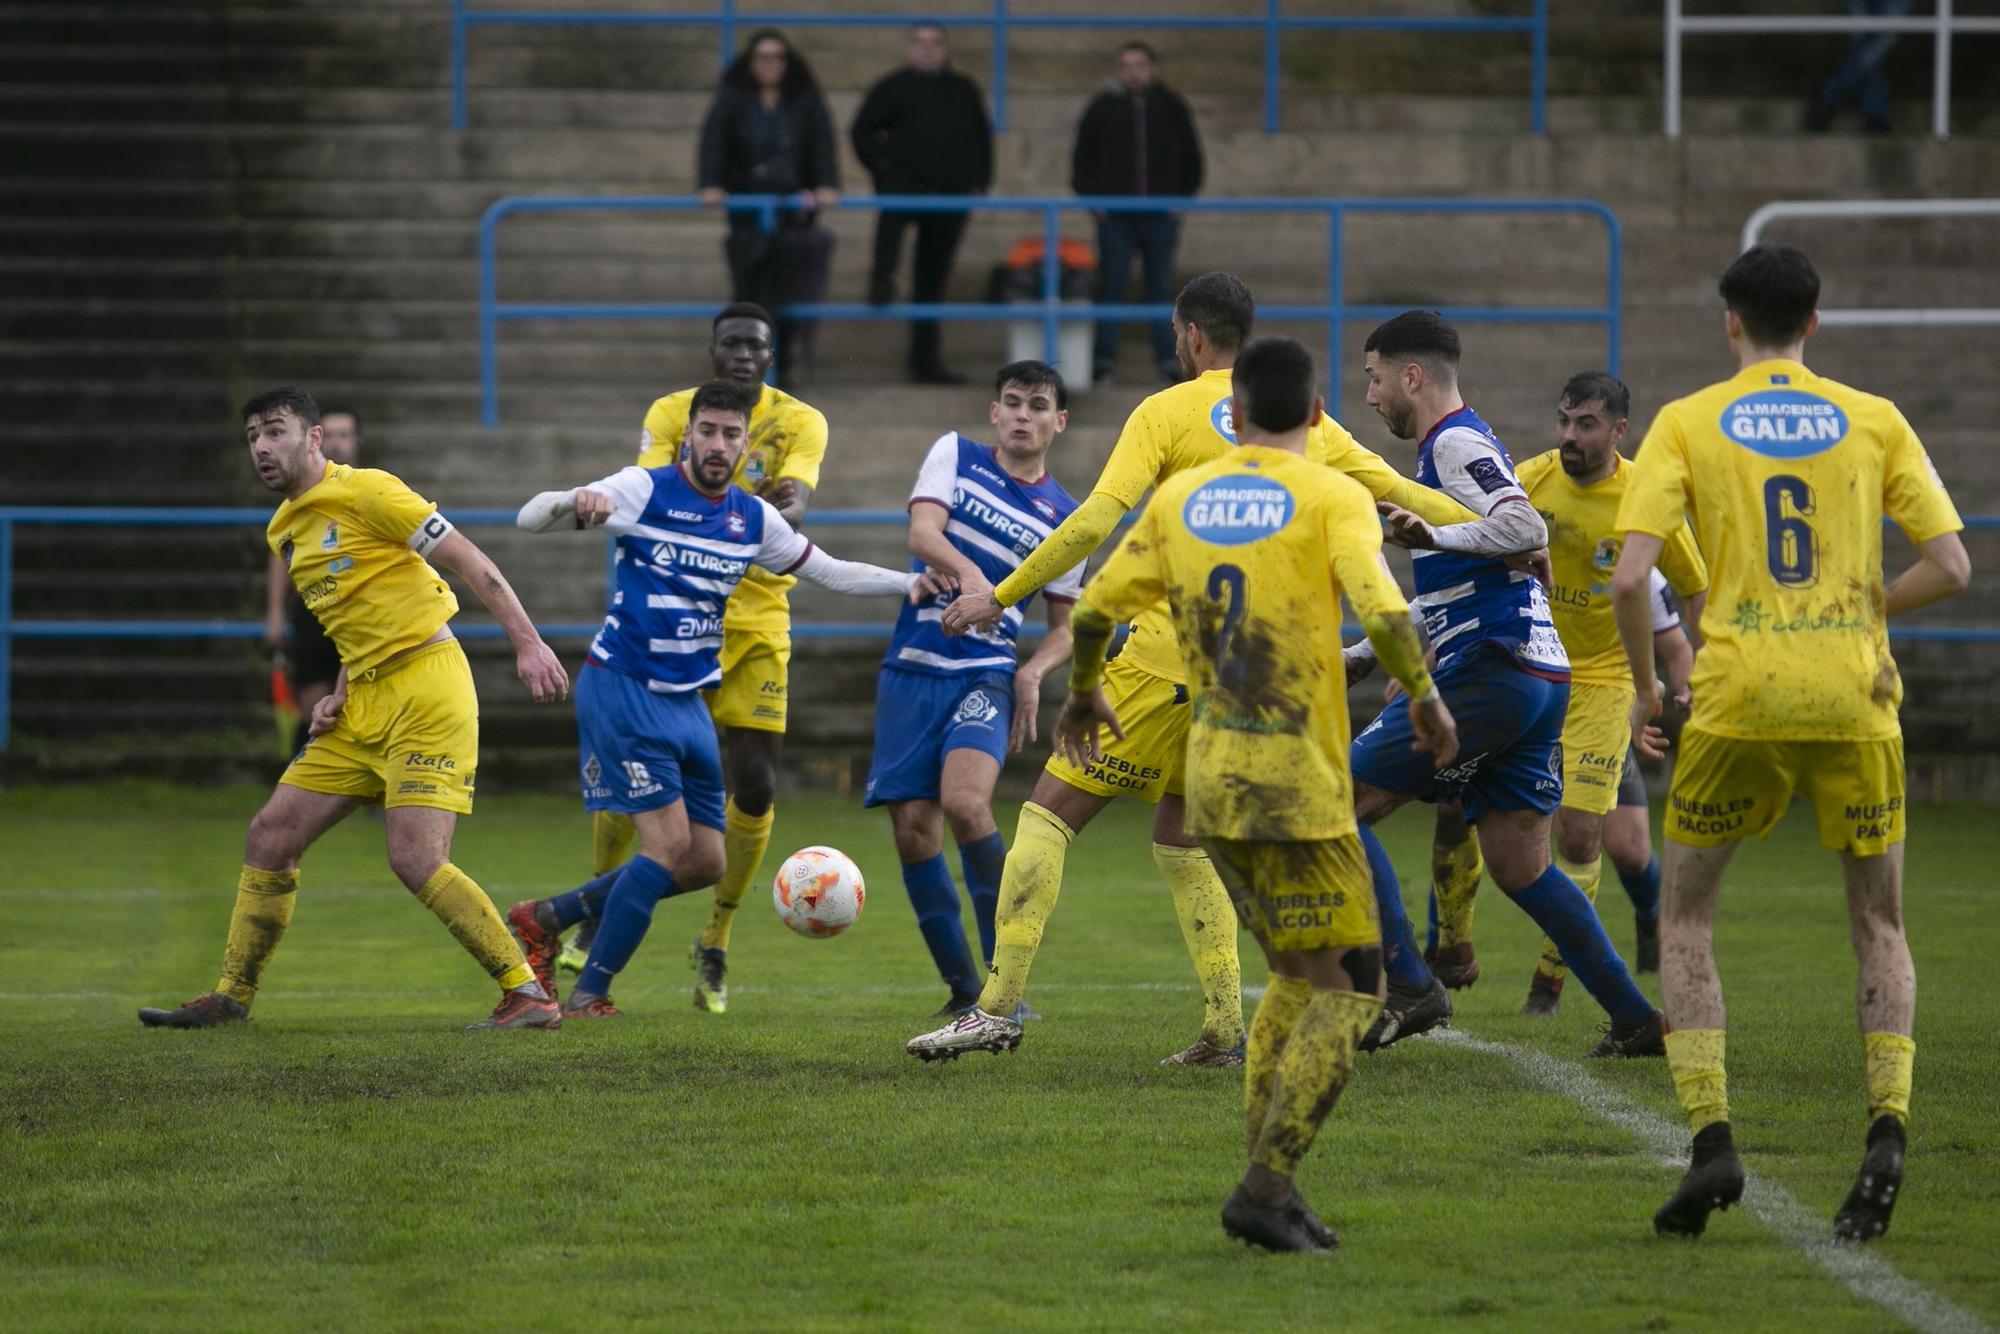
[710, 993]
[1321, 1233]
[583, 1005]
[1406, 1014]
[1646, 958]
[573, 958]
[1204, 1052]
[1454, 964]
[975, 1030]
[210, 1011]
[1714, 1181]
[539, 945]
[1865, 1214]
[517, 1009]
[1648, 1037]
[1280, 1229]
[958, 1003]
[1545, 995]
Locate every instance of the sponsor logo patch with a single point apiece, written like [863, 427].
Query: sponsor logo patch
[1231, 511]
[1784, 423]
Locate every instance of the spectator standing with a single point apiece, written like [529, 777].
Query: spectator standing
[768, 132]
[308, 659]
[1861, 80]
[923, 130]
[1137, 137]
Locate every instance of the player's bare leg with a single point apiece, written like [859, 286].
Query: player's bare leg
[1456, 870]
[1208, 928]
[1628, 842]
[1692, 992]
[1886, 1003]
[1579, 839]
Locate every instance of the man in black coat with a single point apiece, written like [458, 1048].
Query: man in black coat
[1137, 138]
[922, 130]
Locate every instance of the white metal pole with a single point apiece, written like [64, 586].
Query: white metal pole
[1672, 80]
[1941, 73]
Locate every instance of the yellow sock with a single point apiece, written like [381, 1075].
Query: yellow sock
[1029, 885]
[1694, 1058]
[469, 915]
[1587, 878]
[1889, 1058]
[1285, 999]
[611, 837]
[1456, 870]
[1311, 1073]
[264, 901]
[744, 839]
[1208, 925]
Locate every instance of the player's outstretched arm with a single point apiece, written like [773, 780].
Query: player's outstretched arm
[1632, 603]
[929, 544]
[1072, 541]
[534, 662]
[861, 579]
[1028, 677]
[1942, 570]
[1086, 711]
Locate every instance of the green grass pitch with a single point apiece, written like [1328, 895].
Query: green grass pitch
[352, 1160]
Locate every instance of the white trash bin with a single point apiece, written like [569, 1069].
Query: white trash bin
[1075, 341]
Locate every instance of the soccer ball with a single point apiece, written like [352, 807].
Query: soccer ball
[818, 892]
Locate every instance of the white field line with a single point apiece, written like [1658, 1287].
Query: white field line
[1857, 1269]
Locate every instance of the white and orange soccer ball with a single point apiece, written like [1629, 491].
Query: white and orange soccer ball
[818, 892]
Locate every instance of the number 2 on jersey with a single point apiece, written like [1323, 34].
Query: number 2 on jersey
[1791, 547]
[1229, 579]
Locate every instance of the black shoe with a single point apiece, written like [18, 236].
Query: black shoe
[1314, 1225]
[937, 374]
[960, 1003]
[1648, 1037]
[1647, 959]
[1714, 1180]
[210, 1011]
[1408, 1013]
[1865, 1215]
[1260, 1225]
[1545, 995]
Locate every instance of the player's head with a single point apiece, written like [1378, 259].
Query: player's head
[1030, 407]
[1406, 357]
[1591, 420]
[1272, 390]
[283, 431]
[1772, 292]
[340, 435]
[1213, 315]
[1137, 67]
[930, 50]
[741, 342]
[718, 426]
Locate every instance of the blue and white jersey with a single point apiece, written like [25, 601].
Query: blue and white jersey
[996, 522]
[1469, 600]
[680, 555]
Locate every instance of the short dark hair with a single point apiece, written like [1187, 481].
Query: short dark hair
[1597, 387]
[1774, 290]
[1274, 385]
[725, 396]
[742, 310]
[1143, 48]
[1415, 335]
[1221, 305]
[1032, 375]
[286, 398]
[933, 25]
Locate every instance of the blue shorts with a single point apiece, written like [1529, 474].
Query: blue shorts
[919, 716]
[642, 751]
[1510, 726]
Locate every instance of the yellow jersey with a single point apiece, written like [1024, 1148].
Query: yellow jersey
[787, 438]
[354, 544]
[1189, 425]
[1787, 476]
[1583, 548]
[1250, 553]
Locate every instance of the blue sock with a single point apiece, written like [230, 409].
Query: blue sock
[1405, 963]
[1644, 890]
[641, 884]
[983, 861]
[935, 899]
[1568, 918]
[585, 901]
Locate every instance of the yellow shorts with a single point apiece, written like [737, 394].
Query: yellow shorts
[407, 736]
[1726, 789]
[1597, 731]
[1303, 895]
[1152, 759]
[756, 677]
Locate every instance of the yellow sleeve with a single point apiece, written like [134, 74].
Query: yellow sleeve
[1353, 537]
[1680, 561]
[665, 427]
[1130, 582]
[1913, 493]
[807, 449]
[1657, 498]
[1137, 458]
[1074, 539]
[1364, 465]
[388, 508]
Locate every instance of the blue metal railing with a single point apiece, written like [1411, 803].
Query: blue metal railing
[129, 517]
[1000, 20]
[1050, 310]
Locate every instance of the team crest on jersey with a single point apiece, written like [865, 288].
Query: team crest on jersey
[1231, 511]
[1784, 423]
[735, 524]
[332, 539]
[1606, 555]
[1223, 418]
[977, 707]
[593, 772]
[755, 469]
[1043, 508]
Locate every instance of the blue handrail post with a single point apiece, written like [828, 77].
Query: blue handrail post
[1336, 298]
[1539, 98]
[6, 629]
[727, 28]
[1000, 65]
[1271, 66]
[489, 318]
[457, 64]
[1614, 300]
[1051, 284]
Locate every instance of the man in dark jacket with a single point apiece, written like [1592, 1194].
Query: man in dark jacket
[922, 130]
[1137, 138]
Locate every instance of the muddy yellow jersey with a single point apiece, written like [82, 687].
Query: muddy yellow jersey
[354, 545]
[1583, 547]
[787, 439]
[1189, 425]
[1250, 553]
[1787, 476]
